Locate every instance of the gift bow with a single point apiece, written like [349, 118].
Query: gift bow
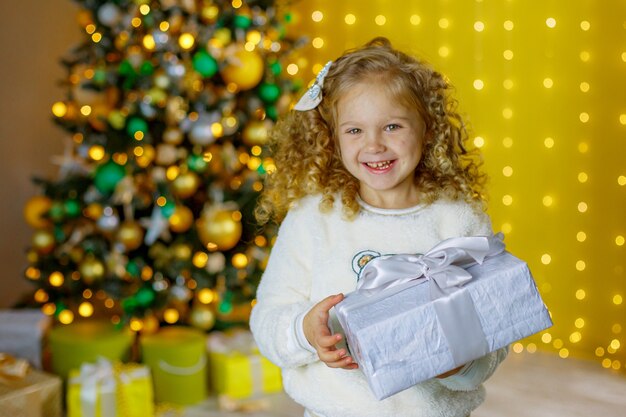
[12, 368]
[443, 266]
[93, 378]
[100, 387]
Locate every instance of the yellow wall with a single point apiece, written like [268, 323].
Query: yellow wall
[551, 118]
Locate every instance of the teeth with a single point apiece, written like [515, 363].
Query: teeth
[378, 165]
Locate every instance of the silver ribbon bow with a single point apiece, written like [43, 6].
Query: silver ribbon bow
[444, 265]
[444, 268]
[313, 96]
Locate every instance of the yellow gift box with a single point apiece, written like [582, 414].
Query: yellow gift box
[104, 389]
[237, 369]
[27, 393]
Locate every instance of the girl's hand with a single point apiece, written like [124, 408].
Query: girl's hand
[315, 326]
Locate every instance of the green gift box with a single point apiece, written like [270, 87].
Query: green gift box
[74, 344]
[177, 357]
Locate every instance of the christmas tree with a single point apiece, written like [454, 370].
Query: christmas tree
[168, 108]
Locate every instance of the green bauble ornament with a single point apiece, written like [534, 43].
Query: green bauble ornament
[168, 209]
[276, 68]
[146, 68]
[107, 176]
[205, 64]
[242, 21]
[145, 296]
[126, 68]
[133, 269]
[196, 163]
[129, 304]
[56, 212]
[226, 303]
[100, 76]
[271, 112]
[269, 93]
[71, 208]
[59, 234]
[136, 124]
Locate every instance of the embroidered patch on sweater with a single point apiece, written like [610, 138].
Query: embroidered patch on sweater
[361, 259]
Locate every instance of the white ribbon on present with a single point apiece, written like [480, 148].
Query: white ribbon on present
[99, 380]
[443, 267]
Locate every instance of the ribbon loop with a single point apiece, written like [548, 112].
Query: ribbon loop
[443, 266]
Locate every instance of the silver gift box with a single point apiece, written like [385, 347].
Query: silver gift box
[401, 336]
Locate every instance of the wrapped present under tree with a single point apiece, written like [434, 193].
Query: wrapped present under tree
[177, 357]
[237, 369]
[107, 389]
[26, 392]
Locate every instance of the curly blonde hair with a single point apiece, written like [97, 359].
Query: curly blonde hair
[305, 148]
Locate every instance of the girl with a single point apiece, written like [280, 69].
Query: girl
[372, 161]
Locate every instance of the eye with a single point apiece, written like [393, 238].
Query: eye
[392, 127]
[353, 131]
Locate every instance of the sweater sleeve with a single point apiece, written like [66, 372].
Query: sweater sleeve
[283, 294]
[475, 372]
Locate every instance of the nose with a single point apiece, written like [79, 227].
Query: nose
[374, 143]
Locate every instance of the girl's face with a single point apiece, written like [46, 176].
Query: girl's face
[381, 144]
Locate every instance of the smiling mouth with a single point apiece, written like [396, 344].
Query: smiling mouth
[380, 165]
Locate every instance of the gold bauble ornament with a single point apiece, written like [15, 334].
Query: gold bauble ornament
[181, 251]
[94, 211]
[71, 112]
[34, 210]
[202, 317]
[157, 96]
[223, 36]
[216, 165]
[173, 136]
[150, 325]
[147, 157]
[166, 154]
[130, 234]
[186, 184]
[117, 119]
[245, 69]
[217, 229]
[181, 220]
[43, 241]
[91, 269]
[256, 132]
[84, 18]
[99, 116]
[76, 254]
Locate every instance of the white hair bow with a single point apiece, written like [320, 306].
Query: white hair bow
[313, 96]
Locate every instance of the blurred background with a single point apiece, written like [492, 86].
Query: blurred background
[542, 86]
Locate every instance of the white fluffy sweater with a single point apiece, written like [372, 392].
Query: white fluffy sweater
[317, 254]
